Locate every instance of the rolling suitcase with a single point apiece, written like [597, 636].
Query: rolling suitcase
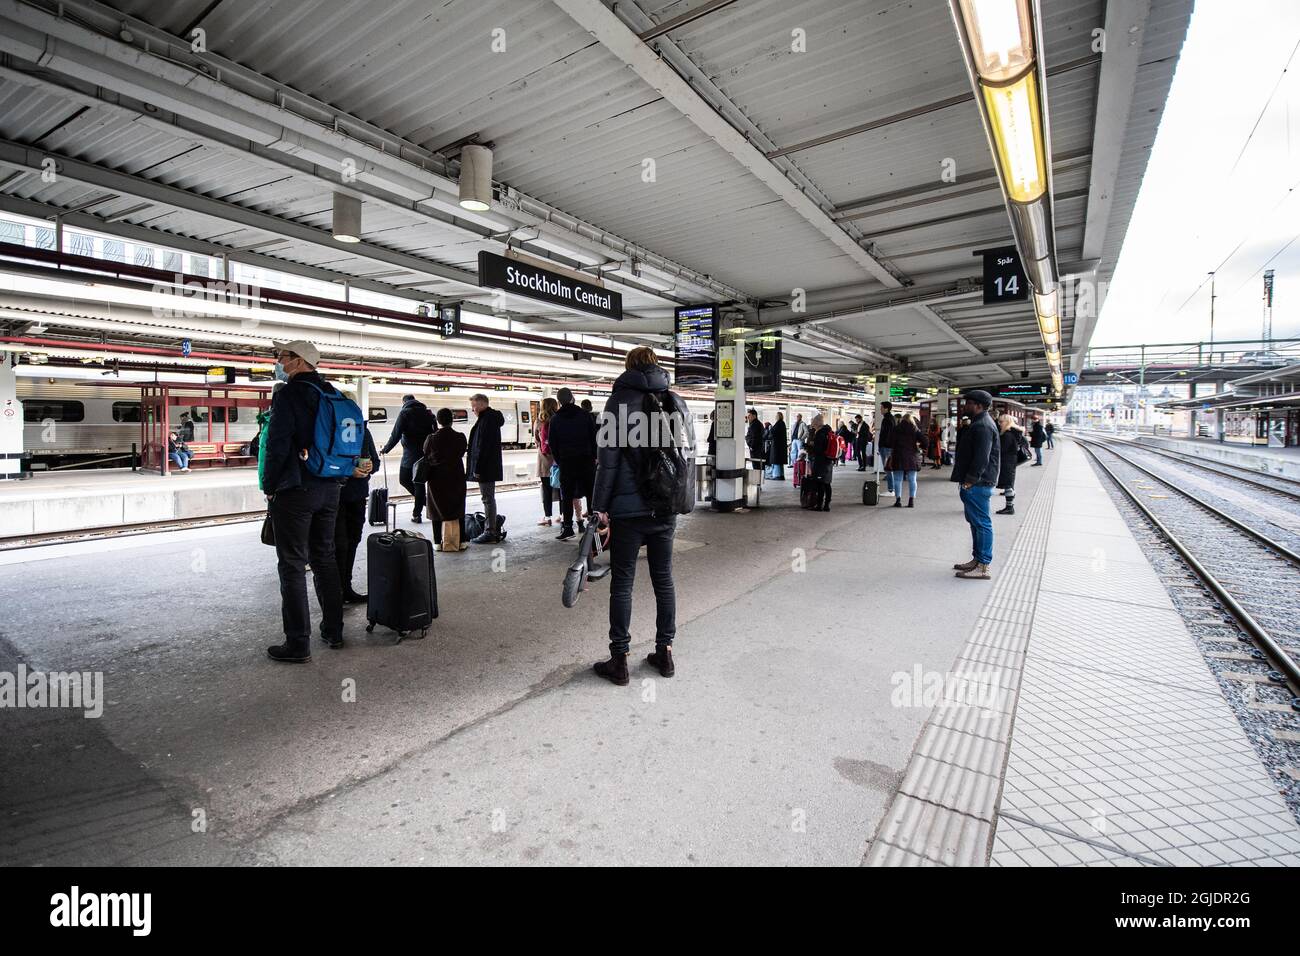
[870, 492]
[402, 588]
[377, 511]
[809, 491]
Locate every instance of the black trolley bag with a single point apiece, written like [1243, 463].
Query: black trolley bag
[377, 510]
[402, 588]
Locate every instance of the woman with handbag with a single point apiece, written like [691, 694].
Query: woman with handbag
[1010, 440]
[444, 452]
[545, 460]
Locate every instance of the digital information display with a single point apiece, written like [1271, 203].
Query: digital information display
[762, 367]
[1023, 390]
[695, 343]
[1004, 278]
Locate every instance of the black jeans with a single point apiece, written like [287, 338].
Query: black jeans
[406, 478]
[577, 479]
[628, 535]
[348, 526]
[304, 531]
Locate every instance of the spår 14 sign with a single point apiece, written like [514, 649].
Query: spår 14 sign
[1004, 278]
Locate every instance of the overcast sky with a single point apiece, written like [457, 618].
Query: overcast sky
[1195, 208]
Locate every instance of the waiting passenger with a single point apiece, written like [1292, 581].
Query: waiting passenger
[303, 506]
[634, 519]
[186, 428]
[444, 450]
[905, 459]
[1010, 439]
[351, 521]
[1049, 428]
[975, 467]
[1037, 439]
[934, 443]
[798, 435]
[573, 442]
[545, 459]
[754, 435]
[885, 443]
[179, 452]
[776, 450]
[413, 425]
[821, 462]
[861, 441]
[485, 464]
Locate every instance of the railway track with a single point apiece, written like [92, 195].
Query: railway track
[1254, 578]
[1275, 483]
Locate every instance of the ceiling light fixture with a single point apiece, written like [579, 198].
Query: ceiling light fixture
[476, 178]
[347, 218]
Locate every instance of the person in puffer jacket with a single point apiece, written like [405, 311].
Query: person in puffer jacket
[617, 500]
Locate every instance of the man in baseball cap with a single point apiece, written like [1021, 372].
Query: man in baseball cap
[303, 506]
[975, 468]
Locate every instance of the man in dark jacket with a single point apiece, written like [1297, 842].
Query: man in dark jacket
[1049, 428]
[351, 520]
[975, 467]
[777, 450]
[619, 502]
[862, 438]
[885, 442]
[754, 435]
[303, 506]
[572, 437]
[414, 424]
[1037, 438]
[485, 465]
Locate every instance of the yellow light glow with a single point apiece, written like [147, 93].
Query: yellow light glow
[1046, 304]
[1001, 38]
[1049, 325]
[1018, 135]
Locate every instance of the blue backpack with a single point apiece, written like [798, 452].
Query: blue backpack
[340, 432]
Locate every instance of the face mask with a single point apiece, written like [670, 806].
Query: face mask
[280, 374]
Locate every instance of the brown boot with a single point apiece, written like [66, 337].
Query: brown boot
[980, 573]
[662, 660]
[613, 670]
[968, 566]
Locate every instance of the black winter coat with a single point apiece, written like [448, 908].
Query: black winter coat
[887, 426]
[485, 447]
[819, 463]
[904, 456]
[445, 450]
[778, 449]
[617, 489]
[1037, 437]
[572, 433]
[1008, 444]
[754, 439]
[979, 458]
[292, 428]
[414, 424]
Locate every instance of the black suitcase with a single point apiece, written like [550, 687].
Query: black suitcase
[377, 511]
[810, 490]
[402, 587]
[870, 492]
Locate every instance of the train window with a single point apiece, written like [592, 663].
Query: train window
[459, 415]
[53, 409]
[378, 414]
[126, 411]
[525, 417]
[199, 413]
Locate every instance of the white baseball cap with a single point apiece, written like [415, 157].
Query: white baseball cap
[303, 349]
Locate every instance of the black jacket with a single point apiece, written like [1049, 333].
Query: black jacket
[778, 449]
[414, 424]
[358, 489]
[572, 433]
[292, 428]
[887, 425]
[485, 447]
[978, 459]
[1008, 444]
[617, 490]
[819, 463]
[754, 439]
[1037, 437]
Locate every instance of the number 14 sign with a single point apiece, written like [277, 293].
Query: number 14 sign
[1004, 278]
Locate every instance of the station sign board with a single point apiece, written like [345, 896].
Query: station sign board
[1004, 276]
[525, 279]
[1029, 390]
[762, 367]
[695, 344]
[449, 320]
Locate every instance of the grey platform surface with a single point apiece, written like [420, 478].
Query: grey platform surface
[780, 739]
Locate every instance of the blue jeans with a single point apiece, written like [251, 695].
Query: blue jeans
[976, 499]
[795, 445]
[911, 482]
[883, 452]
[181, 458]
[1038, 455]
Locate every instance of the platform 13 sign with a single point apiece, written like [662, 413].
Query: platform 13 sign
[1004, 278]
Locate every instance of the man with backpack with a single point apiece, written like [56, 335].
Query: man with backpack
[645, 477]
[312, 442]
[414, 424]
[1037, 439]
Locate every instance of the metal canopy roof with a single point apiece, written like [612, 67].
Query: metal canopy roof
[817, 171]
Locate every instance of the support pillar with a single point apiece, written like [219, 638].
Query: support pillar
[11, 422]
[729, 407]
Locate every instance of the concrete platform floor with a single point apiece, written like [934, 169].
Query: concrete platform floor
[780, 740]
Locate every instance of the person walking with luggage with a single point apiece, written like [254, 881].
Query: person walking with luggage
[975, 468]
[798, 435]
[905, 459]
[623, 478]
[444, 450]
[821, 463]
[777, 451]
[413, 425]
[1037, 438]
[1049, 429]
[572, 438]
[303, 505]
[485, 463]
[885, 443]
[1011, 440]
[351, 521]
[545, 460]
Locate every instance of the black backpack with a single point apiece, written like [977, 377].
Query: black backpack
[662, 469]
[1022, 448]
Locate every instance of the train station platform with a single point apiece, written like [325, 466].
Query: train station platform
[800, 727]
[1283, 462]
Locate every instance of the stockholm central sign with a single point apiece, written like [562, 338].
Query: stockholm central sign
[524, 279]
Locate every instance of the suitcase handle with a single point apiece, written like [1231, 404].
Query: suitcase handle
[393, 506]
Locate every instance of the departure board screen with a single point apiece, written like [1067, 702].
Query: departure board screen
[695, 341]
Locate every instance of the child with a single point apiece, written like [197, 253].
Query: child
[800, 467]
